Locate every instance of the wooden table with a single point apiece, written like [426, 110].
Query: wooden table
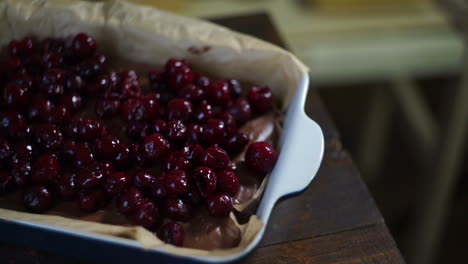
[334, 221]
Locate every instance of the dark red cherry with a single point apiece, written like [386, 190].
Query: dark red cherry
[176, 182]
[179, 109]
[66, 186]
[193, 153]
[40, 110]
[219, 205]
[48, 137]
[107, 147]
[227, 182]
[71, 101]
[83, 45]
[192, 93]
[157, 80]
[46, 169]
[203, 112]
[146, 214]
[177, 209]
[6, 150]
[205, 179]
[106, 108]
[158, 189]
[116, 182]
[23, 151]
[88, 129]
[92, 200]
[51, 83]
[22, 47]
[215, 158]
[202, 81]
[214, 131]
[143, 179]
[237, 142]
[159, 126]
[51, 60]
[261, 157]
[218, 93]
[133, 109]
[229, 123]
[83, 156]
[172, 233]
[260, 98]
[16, 95]
[176, 161]
[155, 147]
[127, 202]
[21, 172]
[6, 182]
[176, 131]
[235, 88]
[38, 199]
[195, 133]
[240, 109]
[89, 178]
[180, 77]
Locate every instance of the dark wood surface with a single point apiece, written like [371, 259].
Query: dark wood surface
[334, 221]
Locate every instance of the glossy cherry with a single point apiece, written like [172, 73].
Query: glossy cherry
[176, 182]
[155, 147]
[260, 98]
[219, 205]
[116, 183]
[38, 199]
[146, 214]
[143, 179]
[227, 182]
[172, 233]
[45, 169]
[127, 202]
[177, 209]
[205, 178]
[261, 157]
[215, 158]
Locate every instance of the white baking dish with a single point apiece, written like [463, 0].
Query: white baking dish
[301, 151]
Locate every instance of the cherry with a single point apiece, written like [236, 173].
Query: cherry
[205, 179]
[129, 86]
[157, 80]
[92, 200]
[146, 214]
[175, 161]
[176, 131]
[192, 93]
[215, 158]
[71, 101]
[83, 156]
[132, 109]
[52, 45]
[40, 110]
[177, 209]
[237, 142]
[68, 150]
[173, 64]
[51, 83]
[235, 88]
[89, 178]
[9, 119]
[202, 81]
[228, 182]
[152, 108]
[158, 189]
[179, 77]
[137, 154]
[143, 179]
[127, 202]
[229, 122]
[48, 137]
[59, 115]
[15, 94]
[38, 199]
[172, 233]
[23, 79]
[107, 148]
[6, 182]
[214, 131]
[195, 133]
[203, 112]
[155, 147]
[23, 151]
[83, 45]
[117, 182]
[51, 60]
[193, 153]
[218, 93]
[122, 160]
[106, 168]
[106, 108]
[5, 149]
[88, 129]
[22, 47]
[21, 172]
[219, 205]
[261, 157]
[260, 98]
[159, 126]
[90, 68]
[46, 168]
[73, 83]
[180, 109]
[66, 186]
[240, 109]
[176, 182]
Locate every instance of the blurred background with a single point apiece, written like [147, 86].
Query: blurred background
[394, 76]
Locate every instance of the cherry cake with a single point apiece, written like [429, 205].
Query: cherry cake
[168, 148]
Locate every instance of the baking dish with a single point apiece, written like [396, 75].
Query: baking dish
[144, 40]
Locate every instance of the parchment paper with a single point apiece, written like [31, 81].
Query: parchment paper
[151, 36]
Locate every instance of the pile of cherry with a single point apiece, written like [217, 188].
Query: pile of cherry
[180, 135]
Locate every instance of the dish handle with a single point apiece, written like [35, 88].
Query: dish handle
[301, 153]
